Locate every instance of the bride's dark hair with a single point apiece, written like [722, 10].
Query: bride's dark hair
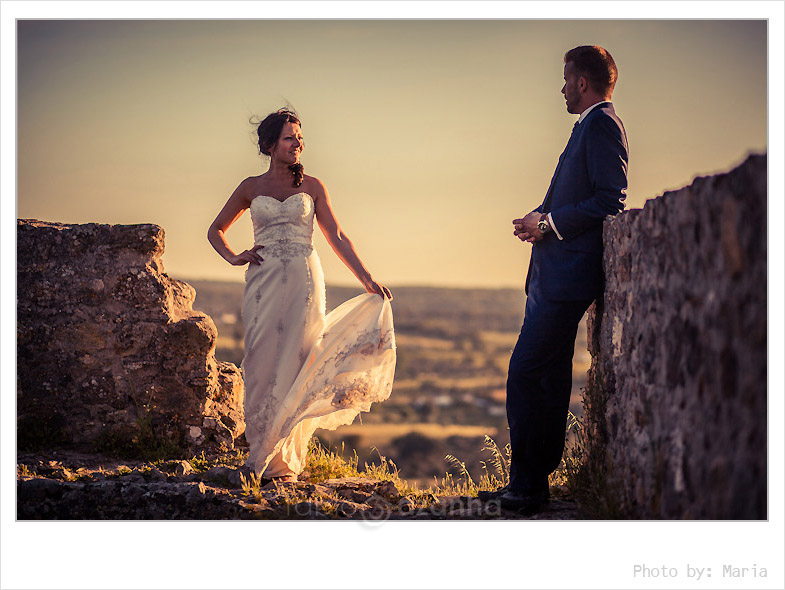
[268, 132]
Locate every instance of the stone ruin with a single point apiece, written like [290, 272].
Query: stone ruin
[676, 399]
[110, 353]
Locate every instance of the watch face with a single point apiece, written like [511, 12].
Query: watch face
[542, 226]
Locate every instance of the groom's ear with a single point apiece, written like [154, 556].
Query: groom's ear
[583, 84]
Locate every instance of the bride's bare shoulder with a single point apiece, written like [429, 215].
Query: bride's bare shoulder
[250, 187]
[253, 181]
[314, 187]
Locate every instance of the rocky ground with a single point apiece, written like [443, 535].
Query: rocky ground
[77, 486]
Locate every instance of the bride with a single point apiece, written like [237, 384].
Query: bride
[302, 369]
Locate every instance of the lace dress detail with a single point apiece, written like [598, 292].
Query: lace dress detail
[303, 369]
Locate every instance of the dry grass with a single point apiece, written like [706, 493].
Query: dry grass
[566, 477]
[490, 480]
[322, 464]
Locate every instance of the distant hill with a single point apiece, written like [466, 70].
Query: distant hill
[497, 309]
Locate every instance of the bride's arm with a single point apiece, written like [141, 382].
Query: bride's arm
[339, 241]
[230, 213]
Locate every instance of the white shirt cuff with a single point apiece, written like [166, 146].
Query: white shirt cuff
[553, 225]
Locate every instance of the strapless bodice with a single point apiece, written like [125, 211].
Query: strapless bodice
[290, 220]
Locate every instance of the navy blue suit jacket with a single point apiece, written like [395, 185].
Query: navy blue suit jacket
[590, 183]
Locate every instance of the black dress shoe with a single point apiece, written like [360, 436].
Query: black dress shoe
[526, 504]
[488, 495]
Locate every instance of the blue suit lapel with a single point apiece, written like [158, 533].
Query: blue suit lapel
[546, 201]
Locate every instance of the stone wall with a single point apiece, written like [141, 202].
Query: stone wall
[676, 398]
[110, 352]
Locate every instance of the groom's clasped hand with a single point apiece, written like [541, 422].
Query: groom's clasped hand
[526, 228]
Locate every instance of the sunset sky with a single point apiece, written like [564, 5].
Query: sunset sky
[431, 136]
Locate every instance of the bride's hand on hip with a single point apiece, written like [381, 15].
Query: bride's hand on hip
[246, 257]
[374, 287]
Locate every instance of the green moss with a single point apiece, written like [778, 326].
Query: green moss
[588, 474]
[40, 432]
[117, 441]
[142, 440]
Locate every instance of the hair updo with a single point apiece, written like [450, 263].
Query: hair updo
[269, 131]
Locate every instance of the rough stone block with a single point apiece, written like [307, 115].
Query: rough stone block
[676, 395]
[110, 351]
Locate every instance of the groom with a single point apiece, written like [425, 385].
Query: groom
[565, 275]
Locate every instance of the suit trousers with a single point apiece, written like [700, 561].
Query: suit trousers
[539, 384]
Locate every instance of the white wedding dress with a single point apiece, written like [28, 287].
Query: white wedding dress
[304, 370]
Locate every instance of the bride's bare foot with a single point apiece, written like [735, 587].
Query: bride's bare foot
[285, 478]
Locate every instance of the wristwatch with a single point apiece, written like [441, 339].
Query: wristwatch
[543, 224]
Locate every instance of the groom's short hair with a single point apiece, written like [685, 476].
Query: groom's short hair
[596, 65]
